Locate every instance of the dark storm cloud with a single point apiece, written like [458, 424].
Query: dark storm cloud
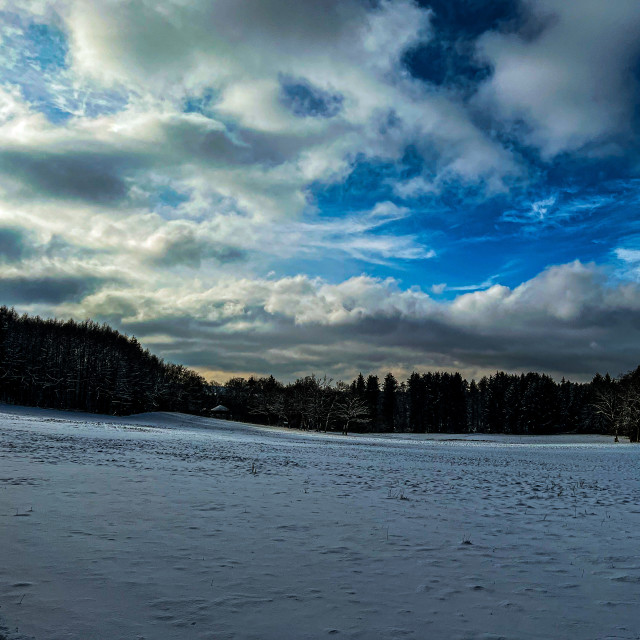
[104, 174]
[567, 321]
[288, 349]
[50, 290]
[190, 251]
[13, 244]
[86, 176]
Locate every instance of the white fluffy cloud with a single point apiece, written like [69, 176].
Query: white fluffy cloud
[567, 78]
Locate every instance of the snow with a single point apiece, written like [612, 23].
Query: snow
[172, 526]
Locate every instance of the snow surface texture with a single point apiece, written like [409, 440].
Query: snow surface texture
[170, 526]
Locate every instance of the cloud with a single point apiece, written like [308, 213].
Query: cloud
[570, 319]
[538, 212]
[50, 290]
[85, 176]
[331, 60]
[180, 244]
[628, 255]
[124, 42]
[339, 65]
[628, 259]
[565, 81]
[35, 62]
[157, 159]
[13, 244]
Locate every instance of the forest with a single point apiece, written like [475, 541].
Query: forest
[87, 366]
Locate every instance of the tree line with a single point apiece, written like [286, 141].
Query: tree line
[91, 367]
[86, 366]
[441, 402]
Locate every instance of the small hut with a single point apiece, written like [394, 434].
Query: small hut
[220, 412]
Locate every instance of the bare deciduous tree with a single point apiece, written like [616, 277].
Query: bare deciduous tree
[607, 405]
[351, 409]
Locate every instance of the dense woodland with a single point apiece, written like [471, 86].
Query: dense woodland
[531, 403]
[91, 367]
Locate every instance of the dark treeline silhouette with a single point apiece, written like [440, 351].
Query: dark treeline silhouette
[531, 403]
[89, 367]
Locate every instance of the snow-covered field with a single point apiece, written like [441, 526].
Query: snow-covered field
[156, 527]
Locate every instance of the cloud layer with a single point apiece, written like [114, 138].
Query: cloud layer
[274, 187]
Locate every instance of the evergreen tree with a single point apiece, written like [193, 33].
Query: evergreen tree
[89, 367]
[389, 391]
[417, 397]
[358, 386]
[372, 397]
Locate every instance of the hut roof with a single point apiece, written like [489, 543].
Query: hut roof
[220, 409]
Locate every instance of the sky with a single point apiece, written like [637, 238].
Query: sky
[329, 186]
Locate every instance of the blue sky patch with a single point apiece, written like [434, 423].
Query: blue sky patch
[46, 45]
[305, 100]
[35, 58]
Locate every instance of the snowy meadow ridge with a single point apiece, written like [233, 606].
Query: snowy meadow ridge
[175, 526]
